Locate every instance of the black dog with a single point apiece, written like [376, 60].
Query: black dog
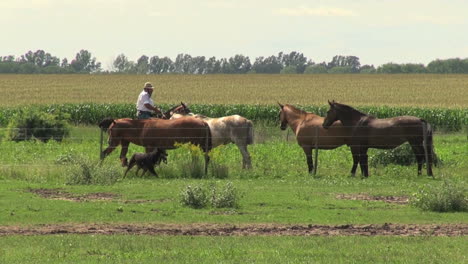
[147, 161]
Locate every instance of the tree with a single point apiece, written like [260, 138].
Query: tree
[267, 65]
[239, 64]
[345, 61]
[367, 69]
[121, 63]
[40, 58]
[212, 65]
[316, 69]
[85, 63]
[160, 65]
[142, 65]
[295, 59]
[389, 68]
[182, 63]
[413, 68]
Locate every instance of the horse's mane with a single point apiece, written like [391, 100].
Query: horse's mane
[347, 108]
[296, 110]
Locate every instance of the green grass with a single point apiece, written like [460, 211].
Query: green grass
[182, 249]
[277, 190]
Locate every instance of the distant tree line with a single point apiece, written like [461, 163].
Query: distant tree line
[289, 63]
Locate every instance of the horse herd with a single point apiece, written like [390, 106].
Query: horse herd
[343, 125]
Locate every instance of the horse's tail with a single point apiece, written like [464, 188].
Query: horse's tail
[250, 132]
[106, 123]
[208, 144]
[430, 143]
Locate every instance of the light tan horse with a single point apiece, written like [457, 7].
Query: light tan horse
[224, 130]
[155, 133]
[309, 131]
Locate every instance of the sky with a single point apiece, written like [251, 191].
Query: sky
[378, 32]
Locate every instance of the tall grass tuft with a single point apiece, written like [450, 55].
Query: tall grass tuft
[446, 197]
[201, 196]
[84, 171]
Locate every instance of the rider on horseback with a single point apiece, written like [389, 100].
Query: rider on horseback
[145, 105]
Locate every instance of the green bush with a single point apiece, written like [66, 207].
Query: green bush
[402, 155]
[26, 125]
[227, 197]
[84, 171]
[197, 196]
[194, 197]
[447, 197]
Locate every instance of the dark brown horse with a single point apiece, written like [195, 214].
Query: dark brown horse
[371, 132]
[309, 131]
[156, 133]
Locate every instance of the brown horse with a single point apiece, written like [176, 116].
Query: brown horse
[309, 131]
[371, 132]
[224, 130]
[156, 133]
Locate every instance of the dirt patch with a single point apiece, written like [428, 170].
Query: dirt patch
[60, 194]
[139, 201]
[366, 197]
[240, 230]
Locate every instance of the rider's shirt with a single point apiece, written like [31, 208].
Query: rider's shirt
[144, 98]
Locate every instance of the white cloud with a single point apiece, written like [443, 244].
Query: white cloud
[321, 11]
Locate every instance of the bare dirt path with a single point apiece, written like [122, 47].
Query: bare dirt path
[240, 230]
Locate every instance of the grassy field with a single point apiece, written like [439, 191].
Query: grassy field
[277, 191]
[187, 249]
[446, 91]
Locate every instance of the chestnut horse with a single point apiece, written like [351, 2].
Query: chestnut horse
[371, 132]
[224, 130]
[155, 133]
[309, 131]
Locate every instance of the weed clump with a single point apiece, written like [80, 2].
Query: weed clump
[197, 196]
[447, 197]
[87, 172]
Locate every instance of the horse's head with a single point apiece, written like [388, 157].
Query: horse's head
[184, 109]
[332, 115]
[181, 109]
[282, 117]
[106, 123]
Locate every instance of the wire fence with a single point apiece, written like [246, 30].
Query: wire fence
[315, 138]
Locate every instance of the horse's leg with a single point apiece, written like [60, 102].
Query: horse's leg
[363, 159]
[355, 153]
[138, 170]
[246, 161]
[112, 146]
[207, 161]
[123, 153]
[308, 153]
[418, 151]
